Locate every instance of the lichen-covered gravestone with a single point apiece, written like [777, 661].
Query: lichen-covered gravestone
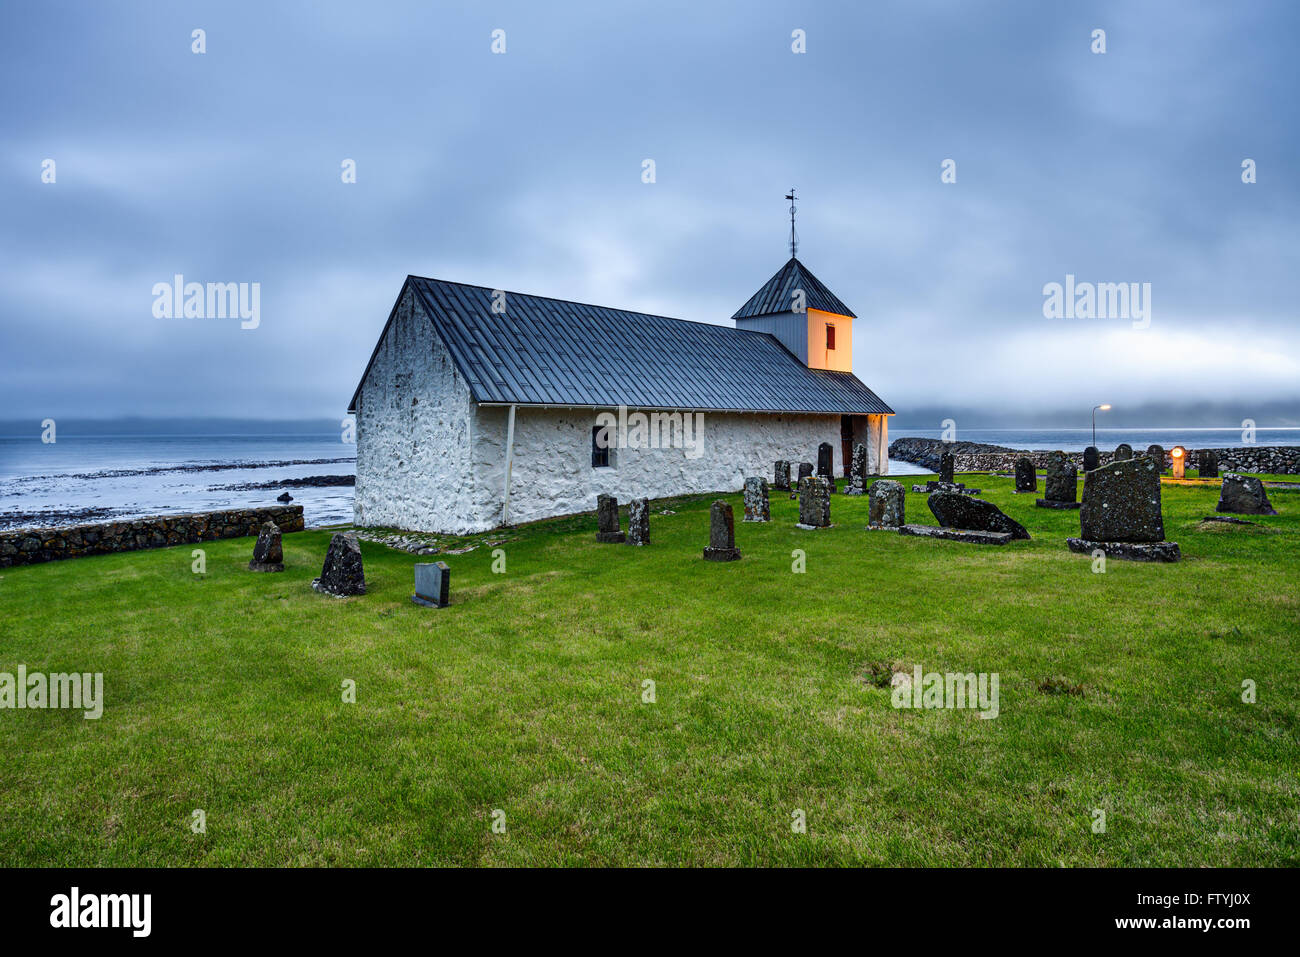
[268, 553]
[954, 510]
[432, 585]
[946, 463]
[343, 573]
[885, 504]
[1243, 496]
[782, 476]
[638, 521]
[857, 471]
[1026, 475]
[1207, 462]
[814, 502]
[826, 463]
[805, 471]
[1157, 454]
[722, 534]
[1062, 483]
[756, 503]
[1121, 513]
[1091, 458]
[1123, 452]
[607, 530]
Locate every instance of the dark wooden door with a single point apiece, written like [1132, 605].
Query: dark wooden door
[846, 443]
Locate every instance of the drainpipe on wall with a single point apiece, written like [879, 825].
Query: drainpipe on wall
[510, 461]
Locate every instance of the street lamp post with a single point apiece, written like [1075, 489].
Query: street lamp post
[1104, 408]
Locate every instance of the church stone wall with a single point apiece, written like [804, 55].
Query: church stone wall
[414, 438]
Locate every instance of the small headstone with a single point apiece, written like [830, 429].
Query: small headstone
[805, 471]
[756, 503]
[1157, 454]
[607, 530]
[1091, 458]
[722, 534]
[1121, 503]
[954, 510]
[946, 462]
[885, 504]
[1123, 452]
[857, 471]
[782, 477]
[826, 464]
[432, 584]
[638, 521]
[1026, 475]
[268, 553]
[1062, 485]
[1244, 496]
[1207, 461]
[814, 502]
[343, 573]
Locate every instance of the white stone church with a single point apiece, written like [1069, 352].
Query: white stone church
[481, 408]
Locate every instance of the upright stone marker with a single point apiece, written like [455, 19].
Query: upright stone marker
[946, 463]
[885, 504]
[805, 471]
[814, 502]
[1026, 475]
[722, 534]
[1091, 458]
[1121, 513]
[1207, 461]
[1157, 454]
[432, 585]
[826, 464]
[757, 508]
[268, 553]
[607, 530]
[1123, 452]
[1244, 496]
[857, 471]
[1062, 483]
[343, 573]
[638, 521]
[782, 476]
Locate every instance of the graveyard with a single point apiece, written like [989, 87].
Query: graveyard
[680, 702]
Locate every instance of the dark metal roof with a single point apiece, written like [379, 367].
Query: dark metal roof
[544, 351]
[775, 296]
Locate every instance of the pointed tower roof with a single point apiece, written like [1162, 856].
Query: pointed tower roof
[775, 295]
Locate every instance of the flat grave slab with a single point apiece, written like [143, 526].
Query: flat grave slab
[956, 534]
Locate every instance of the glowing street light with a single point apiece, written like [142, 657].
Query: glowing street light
[1104, 408]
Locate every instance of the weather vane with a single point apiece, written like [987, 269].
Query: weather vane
[794, 238]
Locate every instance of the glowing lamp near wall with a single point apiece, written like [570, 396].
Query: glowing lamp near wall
[1178, 455]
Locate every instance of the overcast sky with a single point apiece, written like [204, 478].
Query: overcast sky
[523, 171]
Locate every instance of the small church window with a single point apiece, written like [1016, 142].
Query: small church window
[830, 336]
[600, 443]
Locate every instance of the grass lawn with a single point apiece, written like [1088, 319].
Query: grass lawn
[222, 692]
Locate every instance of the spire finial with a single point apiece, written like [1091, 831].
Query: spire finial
[794, 237]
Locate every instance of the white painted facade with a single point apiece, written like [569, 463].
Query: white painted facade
[431, 459]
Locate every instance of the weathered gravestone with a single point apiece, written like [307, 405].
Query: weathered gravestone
[1157, 454]
[826, 464]
[756, 503]
[1062, 483]
[432, 585]
[1207, 462]
[814, 502]
[885, 504]
[946, 462]
[805, 471]
[343, 573]
[1121, 513]
[857, 471]
[638, 521]
[722, 534]
[781, 479]
[1123, 452]
[1244, 496]
[268, 553]
[1091, 458]
[1026, 475]
[954, 510]
[607, 530]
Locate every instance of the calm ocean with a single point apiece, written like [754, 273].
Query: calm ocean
[88, 478]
